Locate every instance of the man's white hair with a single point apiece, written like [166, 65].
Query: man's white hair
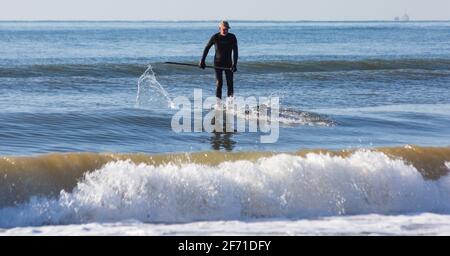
[224, 23]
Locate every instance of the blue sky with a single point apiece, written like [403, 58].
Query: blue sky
[229, 9]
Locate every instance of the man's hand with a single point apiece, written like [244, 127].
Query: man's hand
[234, 69]
[202, 64]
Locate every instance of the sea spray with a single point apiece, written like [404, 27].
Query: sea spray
[150, 92]
[279, 186]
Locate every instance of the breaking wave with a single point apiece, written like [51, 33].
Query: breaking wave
[83, 188]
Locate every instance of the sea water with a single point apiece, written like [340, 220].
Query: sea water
[86, 112]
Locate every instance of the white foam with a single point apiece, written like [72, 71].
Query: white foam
[282, 186]
[416, 224]
[288, 117]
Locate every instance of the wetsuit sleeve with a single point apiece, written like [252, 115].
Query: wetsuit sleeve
[208, 46]
[235, 52]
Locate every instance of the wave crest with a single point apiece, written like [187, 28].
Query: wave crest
[280, 185]
[258, 67]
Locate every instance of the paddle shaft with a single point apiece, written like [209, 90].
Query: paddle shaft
[193, 65]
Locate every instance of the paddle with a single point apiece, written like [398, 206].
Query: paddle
[194, 65]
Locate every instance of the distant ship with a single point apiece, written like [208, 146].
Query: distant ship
[405, 17]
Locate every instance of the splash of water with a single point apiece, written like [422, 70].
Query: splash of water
[150, 92]
[278, 186]
[287, 116]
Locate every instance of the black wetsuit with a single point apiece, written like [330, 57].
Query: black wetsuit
[224, 45]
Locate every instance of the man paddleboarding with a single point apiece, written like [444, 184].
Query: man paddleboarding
[226, 56]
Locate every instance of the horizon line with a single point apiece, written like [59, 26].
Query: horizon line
[210, 20]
